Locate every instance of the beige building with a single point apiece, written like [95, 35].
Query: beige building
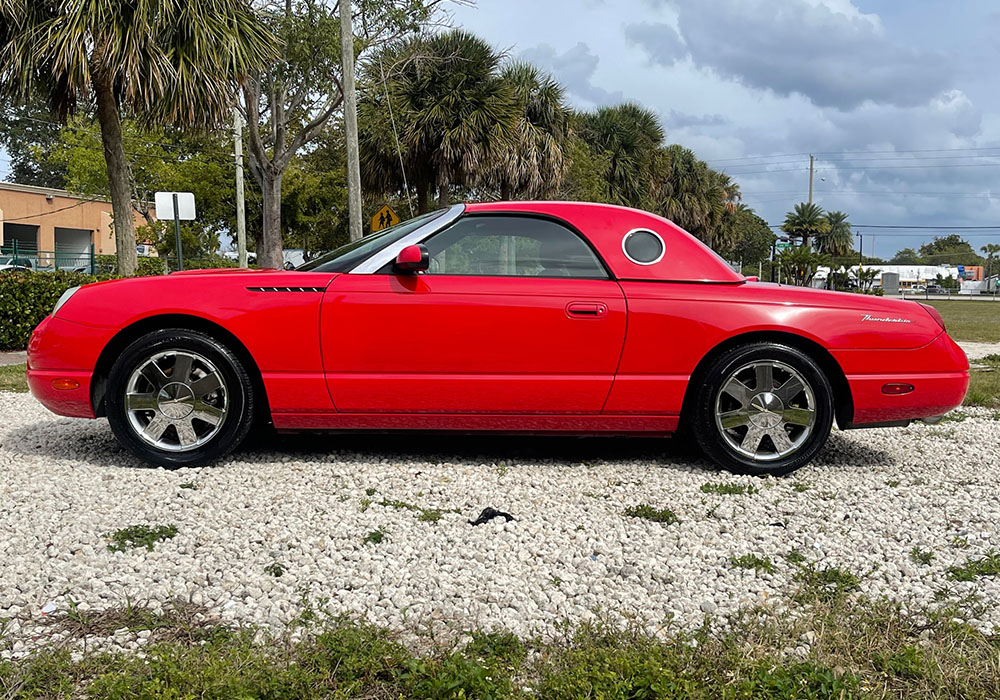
[54, 229]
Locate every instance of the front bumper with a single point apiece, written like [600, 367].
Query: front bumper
[64, 350]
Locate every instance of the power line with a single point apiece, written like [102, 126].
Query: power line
[857, 152]
[53, 211]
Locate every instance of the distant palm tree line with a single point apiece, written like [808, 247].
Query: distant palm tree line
[446, 116]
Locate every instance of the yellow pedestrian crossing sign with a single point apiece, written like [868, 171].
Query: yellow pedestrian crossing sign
[384, 218]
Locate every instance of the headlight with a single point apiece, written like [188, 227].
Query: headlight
[64, 298]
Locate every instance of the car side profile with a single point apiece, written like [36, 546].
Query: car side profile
[515, 317]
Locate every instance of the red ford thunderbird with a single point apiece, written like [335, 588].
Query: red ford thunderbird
[526, 317]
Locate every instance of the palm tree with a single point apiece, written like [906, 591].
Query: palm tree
[533, 164]
[162, 62]
[694, 196]
[805, 222]
[630, 135]
[799, 264]
[839, 240]
[991, 251]
[454, 115]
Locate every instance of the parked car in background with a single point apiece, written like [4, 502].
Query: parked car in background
[513, 317]
[10, 263]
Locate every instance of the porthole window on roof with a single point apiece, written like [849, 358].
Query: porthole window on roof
[643, 246]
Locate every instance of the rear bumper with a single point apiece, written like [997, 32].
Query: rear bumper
[939, 373]
[61, 349]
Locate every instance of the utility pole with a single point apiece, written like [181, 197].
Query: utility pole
[811, 170]
[241, 217]
[350, 122]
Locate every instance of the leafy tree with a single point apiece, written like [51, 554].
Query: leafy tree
[949, 250]
[839, 240]
[455, 116]
[173, 62]
[751, 238]
[27, 133]
[906, 256]
[805, 222]
[631, 136]
[586, 172]
[534, 163]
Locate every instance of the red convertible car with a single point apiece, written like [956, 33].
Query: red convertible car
[523, 317]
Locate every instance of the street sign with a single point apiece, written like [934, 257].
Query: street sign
[384, 218]
[176, 206]
[165, 206]
[783, 246]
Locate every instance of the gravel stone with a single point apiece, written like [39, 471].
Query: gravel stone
[872, 497]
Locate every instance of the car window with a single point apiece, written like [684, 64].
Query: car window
[344, 258]
[512, 246]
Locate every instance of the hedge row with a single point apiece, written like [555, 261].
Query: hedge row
[28, 297]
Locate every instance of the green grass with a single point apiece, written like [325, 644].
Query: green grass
[921, 556]
[139, 536]
[427, 515]
[12, 378]
[856, 649]
[984, 389]
[374, 537]
[988, 565]
[826, 584]
[648, 512]
[977, 321]
[752, 561]
[729, 489]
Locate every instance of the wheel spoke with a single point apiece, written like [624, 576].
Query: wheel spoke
[155, 428]
[141, 402]
[154, 375]
[780, 438]
[738, 390]
[182, 368]
[208, 413]
[733, 419]
[765, 377]
[751, 441]
[798, 416]
[185, 432]
[206, 385]
[789, 390]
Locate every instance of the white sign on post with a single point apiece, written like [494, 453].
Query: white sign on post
[165, 206]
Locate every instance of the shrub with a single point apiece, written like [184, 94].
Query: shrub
[28, 297]
[108, 265]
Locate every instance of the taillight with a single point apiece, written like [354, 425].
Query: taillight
[934, 314]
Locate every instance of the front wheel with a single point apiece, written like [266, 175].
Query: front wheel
[764, 408]
[179, 398]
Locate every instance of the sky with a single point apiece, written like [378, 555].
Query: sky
[897, 99]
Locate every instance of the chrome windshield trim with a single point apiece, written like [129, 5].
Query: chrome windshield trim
[377, 261]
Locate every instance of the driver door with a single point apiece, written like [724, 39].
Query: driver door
[515, 315]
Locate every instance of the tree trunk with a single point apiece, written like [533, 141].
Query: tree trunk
[423, 197]
[269, 252]
[119, 178]
[505, 191]
[444, 193]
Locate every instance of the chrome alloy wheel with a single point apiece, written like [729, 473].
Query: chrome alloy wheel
[176, 400]
[765, 410]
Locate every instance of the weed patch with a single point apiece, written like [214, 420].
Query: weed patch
[648, 512]
[139, 536]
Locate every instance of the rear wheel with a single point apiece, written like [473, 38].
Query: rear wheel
[763, 409]
[179, 398]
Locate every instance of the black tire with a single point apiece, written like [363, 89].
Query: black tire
[767, 407]
[231, 405]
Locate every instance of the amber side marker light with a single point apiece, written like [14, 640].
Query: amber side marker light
[897, 388]
[65, 384]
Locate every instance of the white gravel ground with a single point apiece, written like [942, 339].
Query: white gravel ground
[871, 498]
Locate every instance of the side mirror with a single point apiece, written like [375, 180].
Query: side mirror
[412, 259]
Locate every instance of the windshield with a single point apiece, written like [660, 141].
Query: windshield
[344, 258]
